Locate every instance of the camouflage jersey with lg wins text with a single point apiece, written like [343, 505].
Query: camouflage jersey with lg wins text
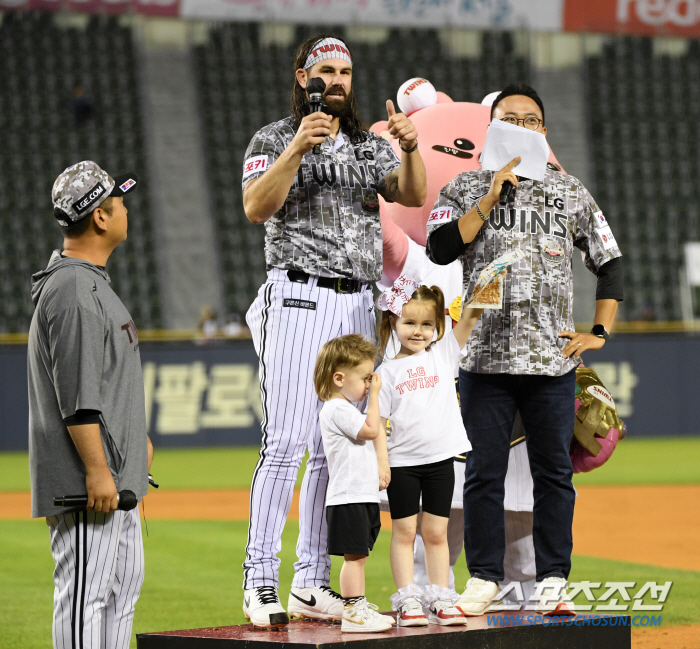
[329, 225]
[546, 220]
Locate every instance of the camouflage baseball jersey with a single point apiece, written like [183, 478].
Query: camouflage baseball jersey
[546, 221]
[329, 225]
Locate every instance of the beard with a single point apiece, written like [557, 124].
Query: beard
[337, 106]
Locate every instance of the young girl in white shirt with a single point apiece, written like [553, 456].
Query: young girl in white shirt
[419, 400]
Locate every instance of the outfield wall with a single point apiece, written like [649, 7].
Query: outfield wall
[208, 394]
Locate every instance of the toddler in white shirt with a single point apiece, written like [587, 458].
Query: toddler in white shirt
[343, 377]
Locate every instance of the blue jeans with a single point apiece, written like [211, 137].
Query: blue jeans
[489, 405]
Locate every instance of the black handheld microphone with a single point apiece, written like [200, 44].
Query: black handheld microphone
[127, 501]
[507, 192]
[315, 89]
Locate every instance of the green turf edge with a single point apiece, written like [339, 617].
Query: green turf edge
[193, 578]
[635, 462]
[181, 468]
[652, 461]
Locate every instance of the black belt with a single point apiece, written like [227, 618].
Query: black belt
[338, 284]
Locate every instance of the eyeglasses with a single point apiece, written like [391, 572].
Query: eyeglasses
[531, 123]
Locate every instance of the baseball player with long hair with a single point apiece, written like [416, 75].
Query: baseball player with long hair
[87, 415]
[313, 180]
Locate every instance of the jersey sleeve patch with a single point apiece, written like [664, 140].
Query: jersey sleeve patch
[607, 237]
[439, 215]
[255, 164]
[600, 220]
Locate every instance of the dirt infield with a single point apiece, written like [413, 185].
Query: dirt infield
[675, 637]
[657, 525]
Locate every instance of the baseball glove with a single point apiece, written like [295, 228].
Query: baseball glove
[597, 427]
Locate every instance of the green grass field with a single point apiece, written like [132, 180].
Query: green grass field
[193, 569]
[636, 461]
[193, 579]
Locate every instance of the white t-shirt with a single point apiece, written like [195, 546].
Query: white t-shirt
[418, 397]
[352, 463]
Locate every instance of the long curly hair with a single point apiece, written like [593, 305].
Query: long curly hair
[350, 121]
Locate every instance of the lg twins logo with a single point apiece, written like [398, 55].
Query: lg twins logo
[417, 380]
[440, 215]
[333, 47]
[258, 163]
[601, 394]
[414, 85]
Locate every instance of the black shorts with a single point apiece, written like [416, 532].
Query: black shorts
[435, 482]
[353, 528]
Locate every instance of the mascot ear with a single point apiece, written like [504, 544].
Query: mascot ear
[442, 98]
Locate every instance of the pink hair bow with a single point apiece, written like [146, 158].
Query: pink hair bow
[393, 298]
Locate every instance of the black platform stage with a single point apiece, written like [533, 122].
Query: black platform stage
[611, 632]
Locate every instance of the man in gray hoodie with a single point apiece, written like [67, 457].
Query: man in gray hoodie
[87, 421]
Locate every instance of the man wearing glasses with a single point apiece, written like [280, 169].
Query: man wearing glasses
[523, 357]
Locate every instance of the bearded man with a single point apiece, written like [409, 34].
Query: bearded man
[313, 180]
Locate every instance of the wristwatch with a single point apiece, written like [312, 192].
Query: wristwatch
[600, 331]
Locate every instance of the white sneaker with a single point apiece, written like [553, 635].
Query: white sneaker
[552, 598]
[496, 607]
[444, 612]
[317, 603]
[362, 617]
[410, 613]
[477, 596]
[263, 608]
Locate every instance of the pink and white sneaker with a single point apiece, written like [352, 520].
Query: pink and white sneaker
[445, 613]
[410, 613]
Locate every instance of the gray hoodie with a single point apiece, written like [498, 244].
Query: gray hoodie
[83, 355]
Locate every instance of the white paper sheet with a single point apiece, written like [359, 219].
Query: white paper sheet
[507, 141]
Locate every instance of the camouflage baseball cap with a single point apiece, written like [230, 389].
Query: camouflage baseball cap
[85, 186]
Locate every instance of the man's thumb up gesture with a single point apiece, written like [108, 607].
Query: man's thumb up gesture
[401, 127]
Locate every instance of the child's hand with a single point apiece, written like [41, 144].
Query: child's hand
[471, 313]
[384, 475]
[376, 383]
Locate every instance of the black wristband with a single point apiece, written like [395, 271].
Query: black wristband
[415, 146]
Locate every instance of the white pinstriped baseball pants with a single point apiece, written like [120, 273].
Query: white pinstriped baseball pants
[287, 340]
[98, 577]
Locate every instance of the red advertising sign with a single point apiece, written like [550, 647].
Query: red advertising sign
[149, 7]
[157, 7]
[650, 17]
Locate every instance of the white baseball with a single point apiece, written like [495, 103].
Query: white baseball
[415, 94]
